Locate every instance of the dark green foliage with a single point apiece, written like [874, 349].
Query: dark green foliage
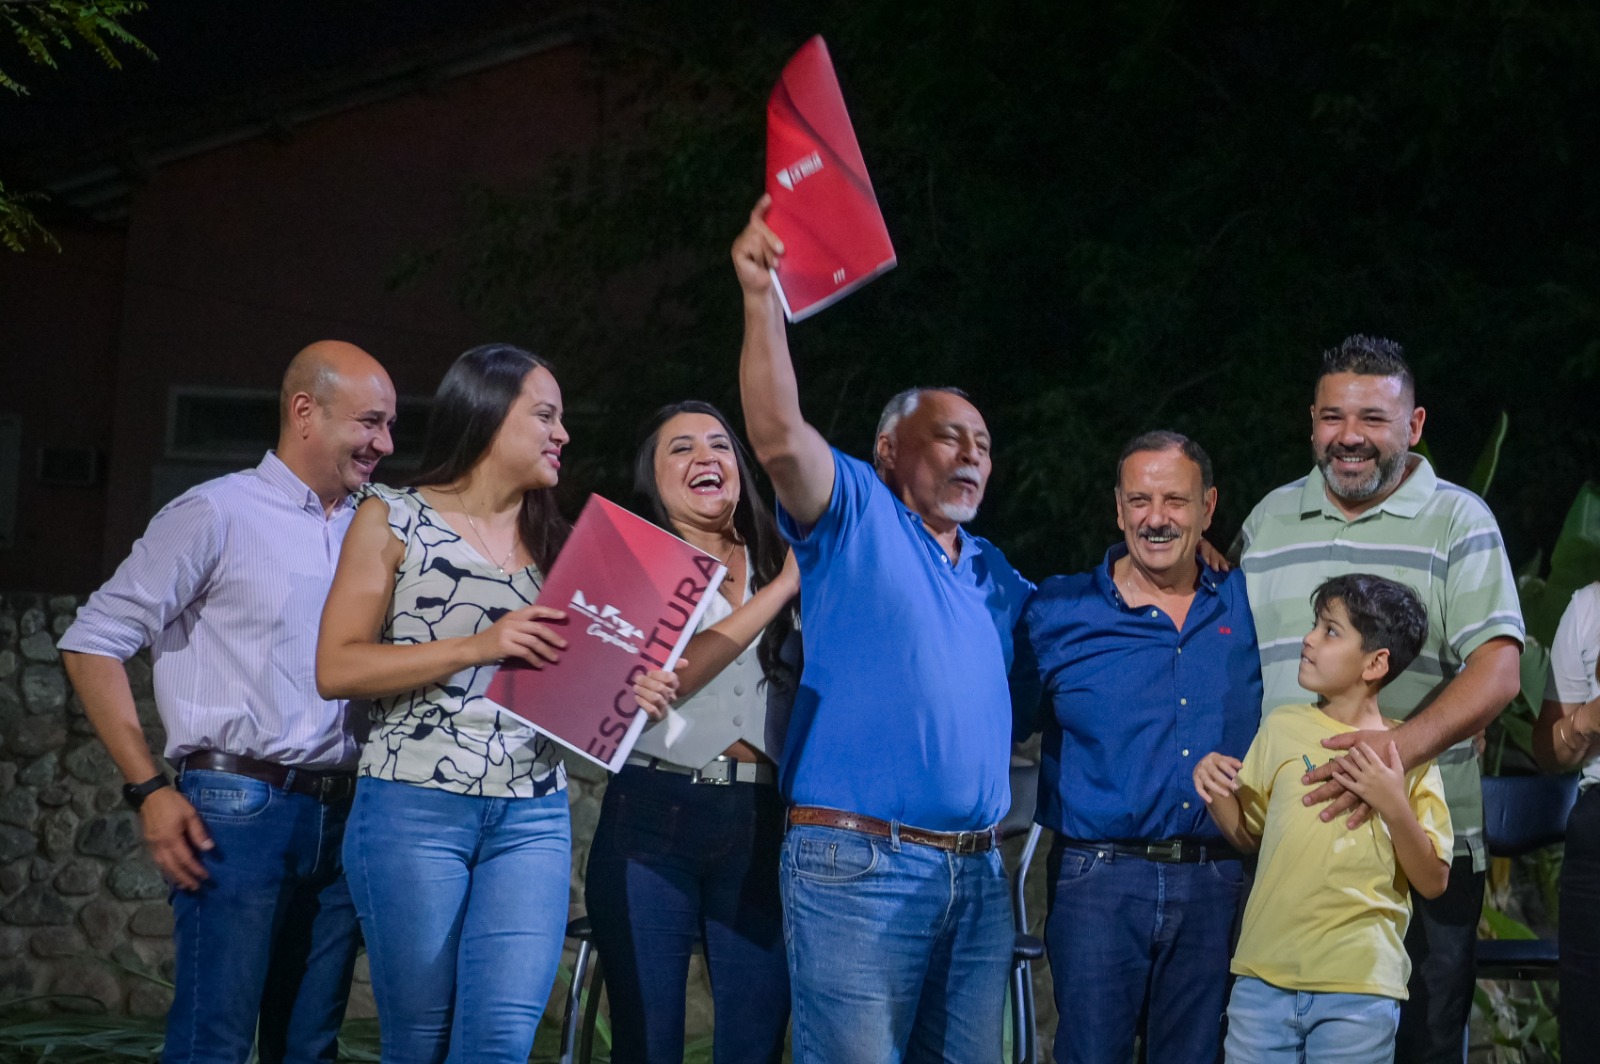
[1109, 217]
[42, 30]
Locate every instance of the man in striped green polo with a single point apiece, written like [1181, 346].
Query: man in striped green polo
[1371, 506]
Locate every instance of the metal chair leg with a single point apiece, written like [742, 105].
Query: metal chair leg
[569, 1019]
[591, 1011]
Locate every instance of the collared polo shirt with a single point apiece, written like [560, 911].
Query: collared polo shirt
[1438, 538]
[1136, 702]
[903, 711]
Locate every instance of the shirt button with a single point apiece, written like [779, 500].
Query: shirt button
[1186, 753]
[739, 660]
[1153, 613]
[1186, 805]
[1180, 650]
[737, 720]
[738, 688]
[1183, 701]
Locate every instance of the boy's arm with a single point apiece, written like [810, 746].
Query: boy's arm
[1216, 779]
[1381, 783]
[1425, 870]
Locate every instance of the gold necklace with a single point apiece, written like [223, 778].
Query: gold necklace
[488, 552]
[733, 594]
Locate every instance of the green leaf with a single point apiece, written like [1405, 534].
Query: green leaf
[1535, 667]
[1483, 473]
[1517, 723]
[1503, 926]
[1574, 562]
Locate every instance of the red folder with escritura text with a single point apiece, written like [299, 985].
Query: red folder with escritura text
[633, 594]
[823, 207]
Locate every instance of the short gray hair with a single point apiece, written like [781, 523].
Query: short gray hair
[901, 407]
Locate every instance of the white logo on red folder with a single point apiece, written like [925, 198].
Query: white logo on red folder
[795, 173]
[609, 625]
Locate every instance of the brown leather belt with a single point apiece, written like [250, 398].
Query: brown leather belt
[962, 842]
[321, 784]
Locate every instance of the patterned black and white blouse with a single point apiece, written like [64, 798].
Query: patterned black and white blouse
[445, 735]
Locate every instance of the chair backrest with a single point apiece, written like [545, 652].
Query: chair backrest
[1024, 798]
[1524, 813]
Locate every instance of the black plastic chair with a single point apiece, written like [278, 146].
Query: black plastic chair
[1522, 814]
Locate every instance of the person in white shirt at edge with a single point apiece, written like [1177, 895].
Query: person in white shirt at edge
[225, 587]
[1564, 739]
[459, 845]
[689, 834]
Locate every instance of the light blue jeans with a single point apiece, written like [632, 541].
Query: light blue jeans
[1269, 1025]
[463, 901]
[897, 952]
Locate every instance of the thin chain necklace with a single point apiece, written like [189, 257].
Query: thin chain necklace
[488, 552]
[729, 592]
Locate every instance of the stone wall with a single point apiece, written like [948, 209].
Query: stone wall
[83, 911]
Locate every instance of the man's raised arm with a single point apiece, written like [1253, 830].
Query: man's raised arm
[794, 454]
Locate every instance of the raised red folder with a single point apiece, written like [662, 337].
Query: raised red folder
[823, 208]
[633, 594]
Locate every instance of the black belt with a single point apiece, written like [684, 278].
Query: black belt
[1164, 851]
[323, 785]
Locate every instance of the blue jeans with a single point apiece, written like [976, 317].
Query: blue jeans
[270, 937]
[1136, 943]
[675, 863]
[463, 901]
[1270, 1025]
[897, 952]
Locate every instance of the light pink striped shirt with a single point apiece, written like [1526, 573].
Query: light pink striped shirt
[226, 588]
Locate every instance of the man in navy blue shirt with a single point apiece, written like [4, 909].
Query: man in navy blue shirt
[1148, 663]
[898, 750]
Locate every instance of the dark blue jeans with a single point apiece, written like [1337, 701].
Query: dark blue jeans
[271, 934]
[1579, 933]
[1443, 943]
[675, 863]
[1137, 945]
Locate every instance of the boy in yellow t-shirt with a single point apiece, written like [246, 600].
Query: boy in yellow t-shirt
[1321, 961]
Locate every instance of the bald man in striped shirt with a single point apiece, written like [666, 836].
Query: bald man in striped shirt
[226, 588]
[1370, 506]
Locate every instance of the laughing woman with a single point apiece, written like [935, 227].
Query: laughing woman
[687, 845]
[458, 846]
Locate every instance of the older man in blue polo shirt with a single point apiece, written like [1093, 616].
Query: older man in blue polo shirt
[898, 750]
[1148, 663]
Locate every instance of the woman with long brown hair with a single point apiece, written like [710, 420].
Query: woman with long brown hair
[686, 851]
[458, 845]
